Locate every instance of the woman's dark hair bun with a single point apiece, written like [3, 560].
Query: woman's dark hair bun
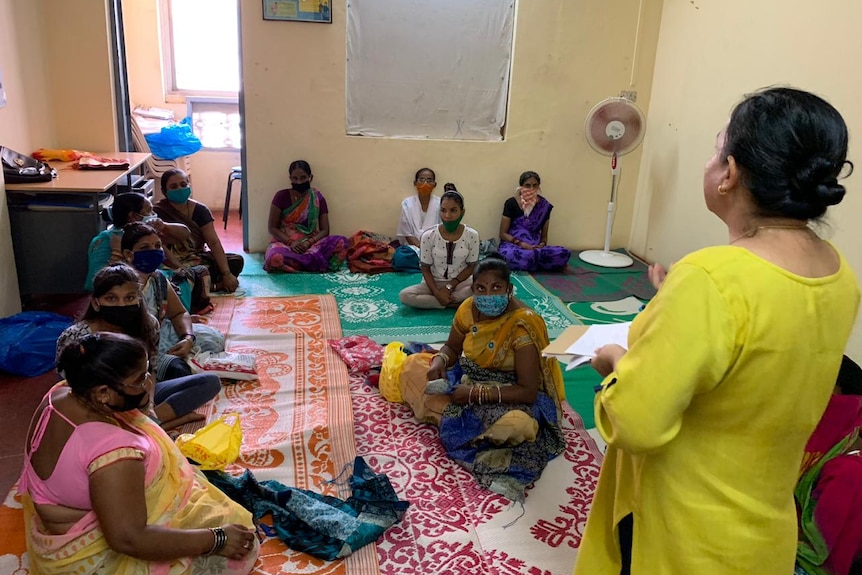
[816, 183]
[791, 148]
[830, 194]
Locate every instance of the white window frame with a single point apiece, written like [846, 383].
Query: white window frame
[172, 94]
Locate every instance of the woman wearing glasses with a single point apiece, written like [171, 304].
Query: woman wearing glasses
[117, 306]
[104, 490]
[419, 212]
[448, 252]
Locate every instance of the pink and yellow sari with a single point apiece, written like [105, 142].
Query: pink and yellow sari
[178, 496]
[298, 221]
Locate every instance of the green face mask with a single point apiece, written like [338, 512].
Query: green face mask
[453, 225]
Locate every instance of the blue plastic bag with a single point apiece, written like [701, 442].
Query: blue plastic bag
[174, 140]
[28, 341]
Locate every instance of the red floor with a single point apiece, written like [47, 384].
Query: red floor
[19, 396]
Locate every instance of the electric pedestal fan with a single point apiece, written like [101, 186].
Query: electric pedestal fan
[614, 127]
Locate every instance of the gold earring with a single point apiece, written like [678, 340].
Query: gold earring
[721, 190]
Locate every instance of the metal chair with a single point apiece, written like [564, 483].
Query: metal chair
[235, 174]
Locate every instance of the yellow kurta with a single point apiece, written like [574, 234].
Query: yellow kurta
[728, 371]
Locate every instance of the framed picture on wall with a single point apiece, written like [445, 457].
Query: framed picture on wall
[319, 11]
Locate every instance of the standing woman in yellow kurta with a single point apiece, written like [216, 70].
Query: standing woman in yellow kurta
[730, 367]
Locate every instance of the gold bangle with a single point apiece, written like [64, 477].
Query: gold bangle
[445, 357]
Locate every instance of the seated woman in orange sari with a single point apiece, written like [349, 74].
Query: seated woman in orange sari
[299, 224]
[104, 490]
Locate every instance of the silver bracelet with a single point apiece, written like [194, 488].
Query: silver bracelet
[220, 540]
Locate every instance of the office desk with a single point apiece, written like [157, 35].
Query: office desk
[53, 222]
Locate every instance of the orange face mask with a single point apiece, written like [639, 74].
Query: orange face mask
[425, 189]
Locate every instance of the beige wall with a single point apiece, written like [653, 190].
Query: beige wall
[568, 56]
[25, 122]
[709, 54]
[78, 57]
[56, 62]
[146, 88]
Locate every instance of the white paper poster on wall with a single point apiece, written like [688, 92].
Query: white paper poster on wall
[2, 91]
[428, 69]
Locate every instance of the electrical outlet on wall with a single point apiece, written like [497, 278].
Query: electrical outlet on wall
[630, 95]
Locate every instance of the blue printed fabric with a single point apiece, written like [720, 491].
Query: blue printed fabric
[320, 525]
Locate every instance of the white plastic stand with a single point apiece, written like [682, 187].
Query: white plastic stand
[606, 258]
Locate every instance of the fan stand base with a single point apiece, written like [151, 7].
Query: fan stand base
[606, 259]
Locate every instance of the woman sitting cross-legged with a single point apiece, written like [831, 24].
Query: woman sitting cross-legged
[446, 258]
[117, 306]
[203, 247]
[104, 490]
[524, 229]
[502, 420]
[299, 225]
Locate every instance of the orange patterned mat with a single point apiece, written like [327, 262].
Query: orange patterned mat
[297, 419]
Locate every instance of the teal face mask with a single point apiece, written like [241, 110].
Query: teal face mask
[453, 225]
[491, 305]
[179, 196]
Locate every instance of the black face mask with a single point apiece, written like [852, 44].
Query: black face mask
[303, 187]
[130, 401]
[123, 316]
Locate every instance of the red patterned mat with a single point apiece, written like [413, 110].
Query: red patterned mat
[454, 526]
[301, 427]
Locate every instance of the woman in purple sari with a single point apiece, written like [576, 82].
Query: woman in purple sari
[524, 229]
[299, 224]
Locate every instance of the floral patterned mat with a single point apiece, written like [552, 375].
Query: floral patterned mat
[369, 305]
[304, 419]
[455, 527]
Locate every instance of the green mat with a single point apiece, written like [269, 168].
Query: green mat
[581, 381]
[590, 313]
[368, 304]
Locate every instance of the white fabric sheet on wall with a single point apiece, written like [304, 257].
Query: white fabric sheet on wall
[428, 69]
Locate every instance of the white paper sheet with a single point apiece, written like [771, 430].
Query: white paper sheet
[584, 349]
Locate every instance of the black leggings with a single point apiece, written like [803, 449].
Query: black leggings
[626, 534]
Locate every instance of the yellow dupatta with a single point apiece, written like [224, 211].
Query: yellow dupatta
[508, 333]
[177, 496]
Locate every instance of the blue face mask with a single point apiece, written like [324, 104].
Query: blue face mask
[148, 261]
[179, 196]
[491, 305]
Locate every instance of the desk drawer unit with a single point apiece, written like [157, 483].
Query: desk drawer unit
[50, 237]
